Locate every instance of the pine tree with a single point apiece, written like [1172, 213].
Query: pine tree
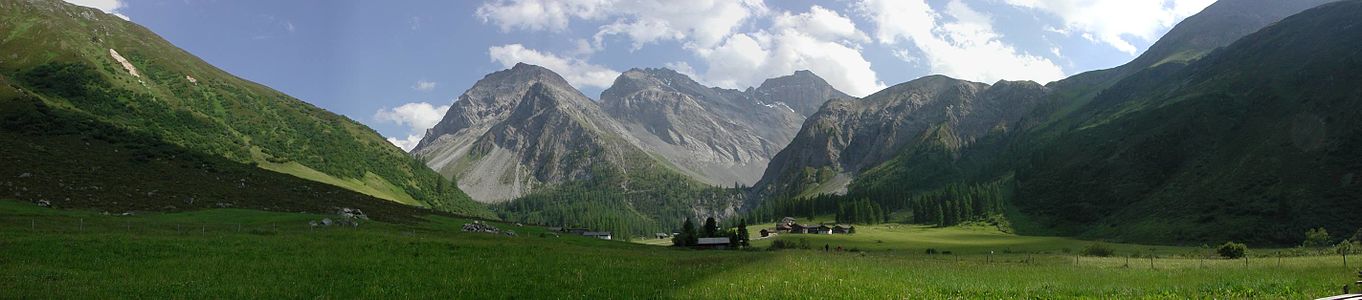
[688, 235]
[743, 235]
[711, 228]
[939, 216]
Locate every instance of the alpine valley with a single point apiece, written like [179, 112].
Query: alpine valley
[1241, 124]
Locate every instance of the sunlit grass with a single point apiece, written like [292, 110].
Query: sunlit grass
[68, 254]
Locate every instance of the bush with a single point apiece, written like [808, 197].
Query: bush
[1232, 250]
[786, 244]
[931, 251]
[1316, 238]
[1097, 249]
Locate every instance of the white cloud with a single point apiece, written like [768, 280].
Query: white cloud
[416, 116]
[820, 40]
[821, 23]
[408, 143]
[576, 71]
[551, 15]
[108, 6]
[424, 86]
[1117, 22]
[696, 23]
[959, 42]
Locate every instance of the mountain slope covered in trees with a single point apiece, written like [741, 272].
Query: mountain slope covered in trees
[1253, 142]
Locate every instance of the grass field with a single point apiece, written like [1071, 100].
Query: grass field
[229, 253]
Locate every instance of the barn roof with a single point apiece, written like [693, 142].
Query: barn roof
[713, 241]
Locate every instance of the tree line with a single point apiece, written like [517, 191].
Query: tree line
[690, 236]
[948, 206]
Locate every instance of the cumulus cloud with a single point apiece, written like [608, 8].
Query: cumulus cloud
[407, 143]
[552, 15]
[697, 23]
[109, 6]
[958, 42]
[417, 117]
[576, 71]
[820, 40]
[1117, 22]
[424, 86]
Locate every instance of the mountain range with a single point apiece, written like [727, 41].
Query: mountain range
[1240, 123]
[1233, 126]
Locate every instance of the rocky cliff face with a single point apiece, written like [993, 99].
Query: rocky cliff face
[846, 137]
[519, 129]
[718, 136]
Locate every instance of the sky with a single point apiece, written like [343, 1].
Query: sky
[396, 66]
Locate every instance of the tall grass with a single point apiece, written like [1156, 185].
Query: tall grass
[64, 254]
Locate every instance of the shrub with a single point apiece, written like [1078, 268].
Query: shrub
[1097, 249]
[1232, 250]
[786, 244]
[931, 251]
[1316, 238]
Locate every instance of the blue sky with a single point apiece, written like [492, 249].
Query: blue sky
[397, 65]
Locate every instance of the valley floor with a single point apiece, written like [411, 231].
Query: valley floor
[228, 253]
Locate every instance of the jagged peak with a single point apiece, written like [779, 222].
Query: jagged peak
[636, 79]
[797, 75]
[523, 72]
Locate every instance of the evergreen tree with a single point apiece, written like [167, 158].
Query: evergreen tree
[939, 216]
[711, 228]
[687, 236]
[743, 235]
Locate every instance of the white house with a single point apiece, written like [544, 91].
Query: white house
[604, 235]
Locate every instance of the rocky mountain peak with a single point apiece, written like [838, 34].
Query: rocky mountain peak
[802, 91]
[490, 100]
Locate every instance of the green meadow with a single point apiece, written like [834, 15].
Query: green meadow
[231, 253]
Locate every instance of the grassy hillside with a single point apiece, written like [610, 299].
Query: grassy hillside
[72, 161]
[228, 253]
[1257, 142]
[100, 67]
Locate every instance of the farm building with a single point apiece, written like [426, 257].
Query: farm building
[822, 229]
[604, 235]
[815, 229]
[782, 227]
[842, 229]
[714, 243]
